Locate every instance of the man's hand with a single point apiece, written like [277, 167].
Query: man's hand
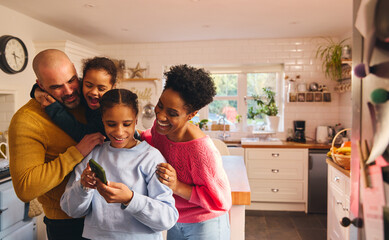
[43, 97]
[88, 142]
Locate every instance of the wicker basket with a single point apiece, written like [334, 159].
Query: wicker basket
[341, 160]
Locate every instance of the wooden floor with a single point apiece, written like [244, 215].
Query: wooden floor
[269, 225]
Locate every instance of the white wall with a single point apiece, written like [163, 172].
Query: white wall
[298, 55]
[28, 30]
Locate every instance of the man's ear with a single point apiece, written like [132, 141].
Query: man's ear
[39, 84]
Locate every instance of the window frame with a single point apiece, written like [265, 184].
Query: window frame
[242, 97]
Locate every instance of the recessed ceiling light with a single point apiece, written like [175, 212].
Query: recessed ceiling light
[206, 26]
[293, 23]
[124, 29]
[195, 0]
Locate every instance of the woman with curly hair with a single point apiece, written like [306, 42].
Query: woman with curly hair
[194, 169]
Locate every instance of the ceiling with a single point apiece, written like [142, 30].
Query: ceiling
[134, 21]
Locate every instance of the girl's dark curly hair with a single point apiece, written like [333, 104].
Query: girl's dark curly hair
[101, 63]
[195, 85]
[119, 96]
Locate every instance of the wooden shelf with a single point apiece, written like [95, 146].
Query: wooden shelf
[138, 79]
[348, 61]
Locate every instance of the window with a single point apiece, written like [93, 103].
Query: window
[235, 86]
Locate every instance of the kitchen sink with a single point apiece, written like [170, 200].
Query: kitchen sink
[261, 141]
[234, 145]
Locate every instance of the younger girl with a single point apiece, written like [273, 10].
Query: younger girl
[99, 76]
[134, 204]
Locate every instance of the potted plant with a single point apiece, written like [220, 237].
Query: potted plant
[203, 124]
[266, 105]
[331, 56]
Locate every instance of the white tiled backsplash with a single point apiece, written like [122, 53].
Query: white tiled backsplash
[7, 109]
[297, 55]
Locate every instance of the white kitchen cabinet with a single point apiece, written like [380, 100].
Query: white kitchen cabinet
[338, 204]
[278, 178]
[14, 222]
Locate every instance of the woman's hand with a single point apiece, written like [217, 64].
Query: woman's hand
[88, 178]
[167, 175]
[114, 192]
[43, 97]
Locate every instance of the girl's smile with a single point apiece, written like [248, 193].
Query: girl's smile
[96, 82]
[119, 124]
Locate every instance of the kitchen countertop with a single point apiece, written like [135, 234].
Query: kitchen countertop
[339, 168]
[239, 182]
[285, 144]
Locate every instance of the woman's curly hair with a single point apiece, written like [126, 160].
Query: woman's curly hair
[195, 85]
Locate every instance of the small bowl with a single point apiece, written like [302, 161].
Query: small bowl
[313, 87]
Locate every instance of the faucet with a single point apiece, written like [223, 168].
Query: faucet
[225, 135]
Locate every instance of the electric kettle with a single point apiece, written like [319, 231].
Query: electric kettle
[322, 134]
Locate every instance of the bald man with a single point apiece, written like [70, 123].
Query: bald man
[42, 156]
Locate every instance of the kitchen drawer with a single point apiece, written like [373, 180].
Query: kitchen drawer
[339, 180]
[280, 169]
[12, 209]
[276, 154]
[26, 232]
[338, 208]
[276, 191]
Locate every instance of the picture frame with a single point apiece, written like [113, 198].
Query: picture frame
[309, 97]
[318, 97]
[300, 97]
[292, 97]
[326, 97]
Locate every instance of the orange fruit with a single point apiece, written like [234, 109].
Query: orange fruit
[346, 144]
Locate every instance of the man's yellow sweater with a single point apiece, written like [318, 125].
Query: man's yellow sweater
[41, 157]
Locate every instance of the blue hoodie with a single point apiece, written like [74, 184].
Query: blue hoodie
[151, 209]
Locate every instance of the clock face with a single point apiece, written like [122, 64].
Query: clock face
[14, 54]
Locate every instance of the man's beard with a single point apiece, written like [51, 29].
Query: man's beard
[74, 103]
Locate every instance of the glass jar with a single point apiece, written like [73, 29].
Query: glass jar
[346, 52]
[291, 86]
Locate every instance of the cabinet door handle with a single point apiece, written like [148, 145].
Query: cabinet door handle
[345, 209]
[336, 179]
[275, 154]
[3, 210]
[275, 190]
[339, 203]
[275, 170]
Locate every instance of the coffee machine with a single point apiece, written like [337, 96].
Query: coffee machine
[299, 131]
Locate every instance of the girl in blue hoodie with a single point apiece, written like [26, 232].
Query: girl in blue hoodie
[134, 204]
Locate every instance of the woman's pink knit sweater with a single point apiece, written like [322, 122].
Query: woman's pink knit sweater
[198, 163]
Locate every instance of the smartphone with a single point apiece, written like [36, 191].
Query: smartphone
[98, 170]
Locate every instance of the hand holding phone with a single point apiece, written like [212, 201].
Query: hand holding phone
[98, 170]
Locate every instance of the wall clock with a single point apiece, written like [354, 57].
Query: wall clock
[13, 54]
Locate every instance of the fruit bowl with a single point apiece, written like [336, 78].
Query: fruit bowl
[342, 158]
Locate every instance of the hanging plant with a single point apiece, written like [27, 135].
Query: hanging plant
[331, 56]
